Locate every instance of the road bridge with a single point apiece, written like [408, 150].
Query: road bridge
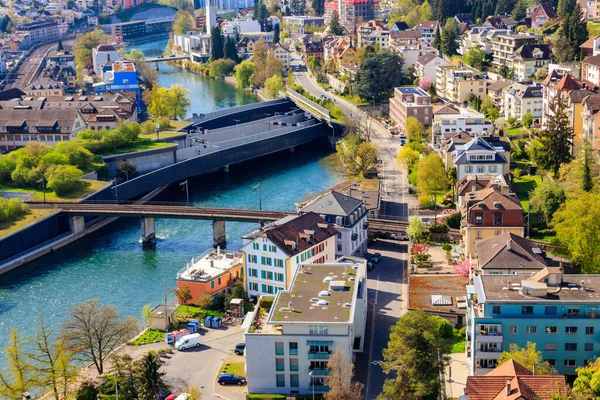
[164, 59]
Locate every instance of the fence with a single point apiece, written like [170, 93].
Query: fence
[311, 104]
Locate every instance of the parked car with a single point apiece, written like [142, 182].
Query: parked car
[188, 341]
[370, 265]
[402, 142]
[239, 349]
[231, 379]
[376, 257]
[399, 236]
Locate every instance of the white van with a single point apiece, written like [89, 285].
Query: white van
[188, 341]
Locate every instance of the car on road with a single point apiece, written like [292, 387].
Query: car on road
[399, 236]
[402, 142]
[188, 341]
[231, 379]
[323, 97]
[297, 69]
[370, 266]
[376, 257]
[239, 349]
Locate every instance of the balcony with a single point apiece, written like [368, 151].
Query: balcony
[318, 356]
[318, 371]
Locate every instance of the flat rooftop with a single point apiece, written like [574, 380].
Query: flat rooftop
[496, 288]
[209, 265]
[437, 293]
[412, 90]
[120, 66]
[320, 293]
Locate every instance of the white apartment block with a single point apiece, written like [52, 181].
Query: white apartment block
[349, 216]
[521, 98]
[324, 310]
[273, 253]
[466, 120]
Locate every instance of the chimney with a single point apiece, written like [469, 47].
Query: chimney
[509, 244]
[508, 389]
[534, 368]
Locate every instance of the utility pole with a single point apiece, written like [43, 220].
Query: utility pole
[257, 188]
[187, 191]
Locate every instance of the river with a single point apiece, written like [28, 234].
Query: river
[112, 265]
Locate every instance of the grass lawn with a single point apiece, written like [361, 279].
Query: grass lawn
[524, 185]
[141, 145]
[459, 341]
[149, 336]
[516, 131]
[87, 187]
[195, 312]
[178, 125]
[163, 135]
[8, 227]
[233, 368]
[593, 28]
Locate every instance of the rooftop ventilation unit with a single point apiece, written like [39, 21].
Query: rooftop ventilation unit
[347, 304]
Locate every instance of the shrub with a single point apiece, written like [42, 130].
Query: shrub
[64, 179]
[164, 123]
[7, 166]
[87, 391]
[447, 247]
[52, 159]
[75, 152]
[11, 209]
[516, 173]
[453, 220]
[439, 228]
[221, 67]
[266, 303]
[24, 176]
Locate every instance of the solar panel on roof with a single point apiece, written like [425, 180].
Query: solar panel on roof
[438, 300]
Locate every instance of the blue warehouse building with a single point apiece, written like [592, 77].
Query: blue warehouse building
[560, 313]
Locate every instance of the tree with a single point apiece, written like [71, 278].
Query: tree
[243, 74]
[437, 39]
[77, 155]
[527, 119]
[557, 136]
[541, 74]
[127, 170]
[276, 34]
[414, 130]
[528, 356]
[150, 378]
[378, 75]
[335, 27]
[60, 45]
[449, 41]
[416, 354]
[318, 7]
[87, 391]
[216, 43]
[147, 313]
[93, 331]
[503, 7]
[577, 226]
[431, 175]
[520, 10]
[562, 9]
[587, 160]
[230, 50]
[169, 102]
[426, 11]
[184, 22]
[408, 158]
[546, 199]
[474, 57]
[574, 27]
[339, 380]
[82, 50]
[416, 229]
[63, 179]
[183, 294]
[205, 300]
[19, 376]
[561, 49]
[588, 380]
[463, 268]
[221, 67]
[274, 85]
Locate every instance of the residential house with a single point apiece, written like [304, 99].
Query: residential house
[212, 272]
[300, 23]
[499, 22]
[364, 30]
[20, 127]
[282, 53]
[348, 216]
[528, 58]
[379, 39]
[102, 54]
[590, 70]
[505, 46]
[245, 46]
[398, 27]
[333, 48]
[508, 253]
[457, 84]
[274, 252]
[490, 212]
[480, 37]
[511, 380]
[495, 91]
[543, 13]
[473, 183]
[590, 47]
[61, 58]
[410, 55]
[313, 48]
[591, 121]
[550, 308]
[323, 311]
[466, 120]
[523, 98]
[44, 86]
[411, 102]
[406, 38]
[426, 66]
[39, 31]
[571, 68]
[347, 57]
[427, 30]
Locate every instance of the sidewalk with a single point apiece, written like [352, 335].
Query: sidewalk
[456, 375]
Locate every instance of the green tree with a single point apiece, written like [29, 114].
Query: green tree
[449, 43]
[82, 49]
[150, 378]
[527, 119]
[520, 10]
[341, 371]
[577, 226]
[276, 34]
[437, 39]
[528, 356]
[474, 56]
[408, 158]
[431, 175]
[588, 380]
[239, 292]
[93, 332]
[127, 170]
[274, 85]
[574, 27]
[147, 313]
[17, 375]
[87, 391]
[78, 155]
[184, 22]
[378, 75]
[230, 50]
[557, 136]
[416, 229]
[221, 67]
[415, 354]
[63, 179]
[216, 43]
[546, 198]
[414, 130]
[587, 160]
[7, 166]
[60, 45]
[335, 26]
[562, 9]
[318, 7]
[504, 7]
[243, 74]
[541, 74]
[169, 102]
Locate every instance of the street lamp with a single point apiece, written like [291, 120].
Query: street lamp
[257, 188]
[157, 131]
[43, 182]
[312, 382]
[187, 191]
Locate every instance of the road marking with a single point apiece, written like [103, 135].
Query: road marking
[377, 290]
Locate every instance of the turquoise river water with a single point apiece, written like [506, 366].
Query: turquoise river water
[112, 265]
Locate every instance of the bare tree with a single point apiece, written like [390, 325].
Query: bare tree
[339, 380]
[95, 331]
[18, 378]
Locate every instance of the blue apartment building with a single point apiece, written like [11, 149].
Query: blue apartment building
[560, 313]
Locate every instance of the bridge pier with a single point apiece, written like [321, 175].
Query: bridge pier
[218, 232]
[148, 231]
[77, 224]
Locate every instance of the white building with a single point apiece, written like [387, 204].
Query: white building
[522, 98]
[426, 66]
[350, 218]
[199, 43]
[102, 54]
[230, 28]
[324, 310]
[410, 55]
[274, 252]
[478, 157]
[466, 120]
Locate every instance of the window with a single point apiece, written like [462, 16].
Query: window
[480, 169]
[498, 218]
[293, 364]
[551, 329]
[279, 364]
[293, 347]
[254, 286]
[212, 284]
[570, 346]
[573, 312]
[253, 272]
[264, 247]
[496, 310]
[527, 310]
[256, 246]
[531, 329]
[570, 330]
[339, 235]
[551, 361]
[294, 381]
[318, 330]
[513, 330]
[493, 168]
[570, 363]
[339, 247]
[278, 277]
[219, 281]
[589, 330]
[550, 346]
[550, 310]
[589, 347]
[478, 218]
[280, 380]
[279, 348]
